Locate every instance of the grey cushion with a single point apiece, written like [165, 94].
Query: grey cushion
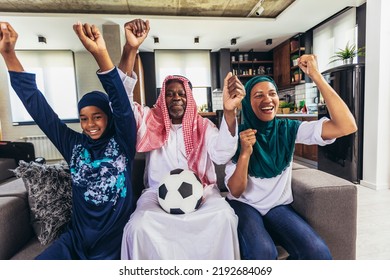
[49, 197]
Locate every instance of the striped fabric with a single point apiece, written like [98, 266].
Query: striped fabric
[154, 132]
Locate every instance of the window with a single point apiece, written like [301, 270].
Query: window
[55, 76]
[332, 35]
[193, 64]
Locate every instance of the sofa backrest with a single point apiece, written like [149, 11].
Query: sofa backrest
[17, 150]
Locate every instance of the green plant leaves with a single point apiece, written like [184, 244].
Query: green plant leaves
[350, 51]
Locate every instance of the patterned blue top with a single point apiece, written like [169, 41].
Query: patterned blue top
[103, 197]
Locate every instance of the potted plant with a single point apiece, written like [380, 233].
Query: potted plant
[294, 59]
[286, 106]
[297, 76]
[347, 54]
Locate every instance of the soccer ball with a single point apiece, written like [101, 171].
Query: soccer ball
[180, 192]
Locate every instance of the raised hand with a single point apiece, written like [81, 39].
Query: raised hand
[136, 32]
[90, 37]
[8, 38]
[233, 92]
[308, 64]
[93, 42]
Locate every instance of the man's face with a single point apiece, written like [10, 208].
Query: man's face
[264, 101]
[176, 101]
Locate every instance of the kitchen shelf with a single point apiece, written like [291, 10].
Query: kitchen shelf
[256, 63]
[296, 50]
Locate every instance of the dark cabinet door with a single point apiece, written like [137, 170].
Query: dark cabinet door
[282, 65]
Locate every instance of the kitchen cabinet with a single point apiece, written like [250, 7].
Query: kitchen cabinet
[281, 55]
[249, 64]
[309, 152]
[286, 70]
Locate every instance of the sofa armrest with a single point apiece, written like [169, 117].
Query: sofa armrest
[15, 228]
[6, 165]
[329, 204]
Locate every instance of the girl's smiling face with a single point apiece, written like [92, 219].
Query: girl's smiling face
[93, 121]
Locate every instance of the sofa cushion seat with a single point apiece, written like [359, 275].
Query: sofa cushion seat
[32, 249]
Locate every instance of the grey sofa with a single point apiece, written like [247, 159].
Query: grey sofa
[327, 202]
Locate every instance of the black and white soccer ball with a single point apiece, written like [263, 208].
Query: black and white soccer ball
[180, 192]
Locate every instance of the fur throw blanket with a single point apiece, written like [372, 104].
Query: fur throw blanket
[49, 196]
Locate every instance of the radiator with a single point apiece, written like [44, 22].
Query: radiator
[43, 147]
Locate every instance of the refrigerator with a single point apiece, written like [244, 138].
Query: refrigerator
[344, 158]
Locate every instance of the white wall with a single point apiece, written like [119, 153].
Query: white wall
[376, 150]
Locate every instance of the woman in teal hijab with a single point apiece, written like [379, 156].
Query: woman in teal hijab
[259, 175]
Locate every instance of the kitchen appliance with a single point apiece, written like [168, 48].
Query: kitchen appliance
[344, 158]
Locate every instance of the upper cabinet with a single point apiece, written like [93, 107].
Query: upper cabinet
[282, 65]
[249, 64]
[286, 70]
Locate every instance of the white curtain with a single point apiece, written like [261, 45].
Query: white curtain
[335, 34]
[193, 64]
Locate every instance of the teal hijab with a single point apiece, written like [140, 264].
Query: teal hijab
[275, 140]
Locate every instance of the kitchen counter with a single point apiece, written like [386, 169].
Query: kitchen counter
[299, 115]
[208, 114]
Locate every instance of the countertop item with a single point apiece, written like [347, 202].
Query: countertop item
[208, 114]
[296, 115]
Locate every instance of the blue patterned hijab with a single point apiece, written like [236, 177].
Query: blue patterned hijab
[275, 140]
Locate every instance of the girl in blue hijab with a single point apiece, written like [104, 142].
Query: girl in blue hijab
[100, 158]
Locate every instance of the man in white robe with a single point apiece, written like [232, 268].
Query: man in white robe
[173, 135]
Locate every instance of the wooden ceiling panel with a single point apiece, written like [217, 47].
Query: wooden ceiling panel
[273, 8]
[202, 8]
[65, 6]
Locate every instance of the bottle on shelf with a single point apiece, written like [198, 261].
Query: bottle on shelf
[249, 64]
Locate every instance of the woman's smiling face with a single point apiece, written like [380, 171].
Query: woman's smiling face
[264, 101]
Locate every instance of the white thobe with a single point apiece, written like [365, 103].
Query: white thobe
[208, 233]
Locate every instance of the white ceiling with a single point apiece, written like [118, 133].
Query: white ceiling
[176, 32]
